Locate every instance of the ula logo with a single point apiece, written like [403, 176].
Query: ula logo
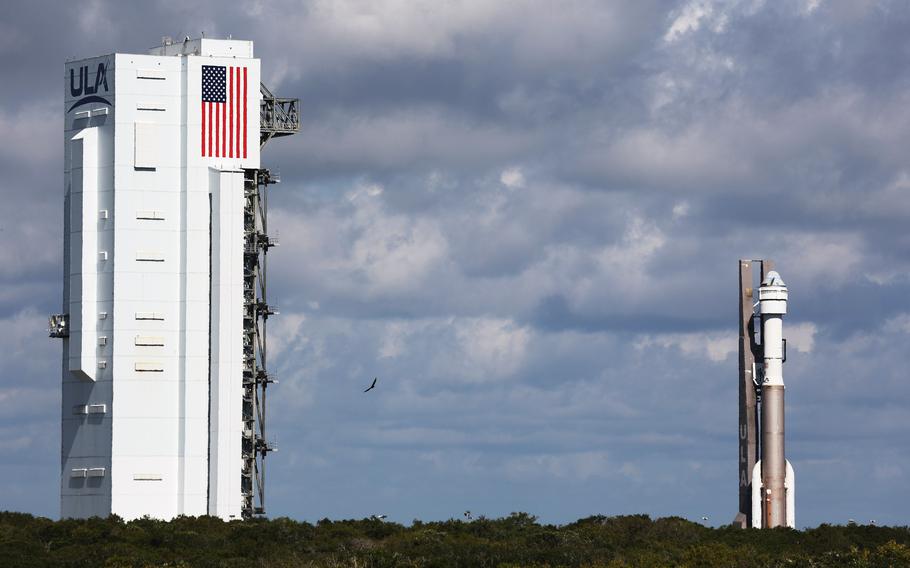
[85, 88]
[100, 79]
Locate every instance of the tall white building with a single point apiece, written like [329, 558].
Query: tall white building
[159, 316]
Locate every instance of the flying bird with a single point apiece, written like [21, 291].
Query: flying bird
[372, 386]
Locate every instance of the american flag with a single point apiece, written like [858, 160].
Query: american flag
[223, 111]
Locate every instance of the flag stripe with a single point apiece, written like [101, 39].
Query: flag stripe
[210, 129]
[219, 132]
[244, 112]
[202, 145]
[238, 110]
[231, 142]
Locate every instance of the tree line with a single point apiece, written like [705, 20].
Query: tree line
[517, 540]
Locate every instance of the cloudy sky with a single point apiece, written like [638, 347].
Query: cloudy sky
[525, 218]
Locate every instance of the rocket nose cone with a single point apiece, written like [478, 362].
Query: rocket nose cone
[773, 279]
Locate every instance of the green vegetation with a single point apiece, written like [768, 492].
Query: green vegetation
[511, 542]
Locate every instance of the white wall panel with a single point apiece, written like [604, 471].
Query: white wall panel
[148, 145]
[197, 252]
[227, 342]
[197, 317]
[84, 159]
[197, 370]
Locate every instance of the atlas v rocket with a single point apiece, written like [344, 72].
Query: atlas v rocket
[766, 479]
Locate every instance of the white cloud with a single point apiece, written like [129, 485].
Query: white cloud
[512, 178]
[534, 36]
[395, 336]
[286, 333]
[810, 6]
[362, 249]
[394, 28]
[492, 348]
[898, 324]
[718, 347]
[808, 258]
[620, 269]
[396, 254]
[681, 210]
[702, 153]
[713, 346]
[801, 336]
[640, 241]
[689, 19]
[714, 15]
[577, 466]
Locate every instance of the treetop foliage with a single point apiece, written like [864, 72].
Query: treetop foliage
[517, 540]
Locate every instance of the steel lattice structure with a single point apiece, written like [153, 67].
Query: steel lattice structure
[278, 117]
[256, 312]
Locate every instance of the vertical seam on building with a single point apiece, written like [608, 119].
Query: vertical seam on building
[208, 478]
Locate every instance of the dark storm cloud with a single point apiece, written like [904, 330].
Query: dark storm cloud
[525, 221]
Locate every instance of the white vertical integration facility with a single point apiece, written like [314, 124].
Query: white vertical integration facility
[164, 297]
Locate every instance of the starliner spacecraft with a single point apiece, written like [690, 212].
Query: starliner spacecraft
[766, 479]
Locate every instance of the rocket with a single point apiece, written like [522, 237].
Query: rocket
[772, 481]
[773, 488]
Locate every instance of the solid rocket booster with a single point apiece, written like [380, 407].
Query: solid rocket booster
[772, 296]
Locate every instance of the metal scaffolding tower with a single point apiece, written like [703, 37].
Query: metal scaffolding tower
[279, 117]
[256, 312]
